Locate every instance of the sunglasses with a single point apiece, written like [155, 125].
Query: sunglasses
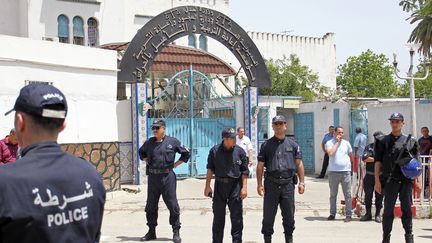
[278, 123]
[395, 121]
[155, 128]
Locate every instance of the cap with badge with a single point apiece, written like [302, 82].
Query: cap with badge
[396, 116]
[279, 118]
[159, 123]
[41, 100]
[229, 133]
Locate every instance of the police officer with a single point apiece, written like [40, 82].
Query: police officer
[281, 157]
[228, 162]
[369, 182]
[47, 195]
[387, 151]
[159, 152]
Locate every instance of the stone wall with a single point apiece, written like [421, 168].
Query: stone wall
[104, 156]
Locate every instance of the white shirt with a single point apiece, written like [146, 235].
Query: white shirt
[245, 144]
[340, 161]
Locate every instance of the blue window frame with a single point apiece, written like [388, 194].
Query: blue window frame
[192, 40]
[78, 30]
[203, 42]
[63, 28]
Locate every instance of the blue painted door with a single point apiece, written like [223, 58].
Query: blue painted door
[304, 135]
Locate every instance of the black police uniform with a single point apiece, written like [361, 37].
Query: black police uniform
[369, 183]
[228, 165]
[279, 160]
[395, 182]
[50, 196]
[161, 177]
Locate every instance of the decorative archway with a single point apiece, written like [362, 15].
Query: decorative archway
[176, 23]
[182, 21]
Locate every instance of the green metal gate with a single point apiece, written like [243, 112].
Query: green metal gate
[195, 114]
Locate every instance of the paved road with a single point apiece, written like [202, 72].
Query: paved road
[124, 219]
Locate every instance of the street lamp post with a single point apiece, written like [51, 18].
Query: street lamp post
[410, 77]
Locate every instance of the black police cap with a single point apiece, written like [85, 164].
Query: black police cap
[396, 116]
[279, 118]
[159, 123]
[229, 133]
[42, 100]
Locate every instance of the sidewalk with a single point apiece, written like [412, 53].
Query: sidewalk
[124, 219]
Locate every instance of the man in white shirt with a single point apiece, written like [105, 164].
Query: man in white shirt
[245, 143]
[340, 163]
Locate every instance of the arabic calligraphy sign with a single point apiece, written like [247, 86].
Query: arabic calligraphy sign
[181, 21]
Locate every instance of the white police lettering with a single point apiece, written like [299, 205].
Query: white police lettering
[53, 200]
[67, 217]
[64, 216]
[55, 95]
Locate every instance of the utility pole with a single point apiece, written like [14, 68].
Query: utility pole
[410, 77]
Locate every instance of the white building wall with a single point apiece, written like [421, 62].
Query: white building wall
[323, 118]
[89, 84]
[10, 17]
[379, 114]
[317, 53]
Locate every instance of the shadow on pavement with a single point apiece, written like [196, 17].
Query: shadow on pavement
[316, 218]
[127, 238]
[425, 236]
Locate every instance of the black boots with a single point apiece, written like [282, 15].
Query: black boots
[151, 235]
[409, 238]
[366, 217]
[288, 239]
[176, 236]
[386, 238]
[267, 239]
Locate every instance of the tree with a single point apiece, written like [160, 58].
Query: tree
[290, 78]
[423, 88]
[367, 75]
[421, 13]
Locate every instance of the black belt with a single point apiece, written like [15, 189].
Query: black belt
[371, 173]
[159, 171]
[280, 181]
[226, 179]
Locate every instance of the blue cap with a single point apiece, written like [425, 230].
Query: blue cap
[396, 116]
[229, 133]
[42, 100]
[159, 123]
[279, 118]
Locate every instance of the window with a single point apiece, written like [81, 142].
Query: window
[93, 32]
[203, 42]
[63, 28]
[78, 30]
[192, 40]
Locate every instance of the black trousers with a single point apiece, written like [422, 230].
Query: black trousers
[393, 188]
[325, 165]
[278, 195]
[369, 189]
[165, 185]
[227, 194]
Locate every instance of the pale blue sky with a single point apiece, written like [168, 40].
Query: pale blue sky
[379, 25]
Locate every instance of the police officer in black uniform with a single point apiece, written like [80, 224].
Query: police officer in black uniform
[159, 152]
[229, 163]
[387, 151]
[369, 182]
[281, 157]
[47, 195]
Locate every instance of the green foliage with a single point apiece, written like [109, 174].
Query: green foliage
[421, 14]
[423, 88]
[367, 75]
[290, 78]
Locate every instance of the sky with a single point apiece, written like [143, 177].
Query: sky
[379, 25]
